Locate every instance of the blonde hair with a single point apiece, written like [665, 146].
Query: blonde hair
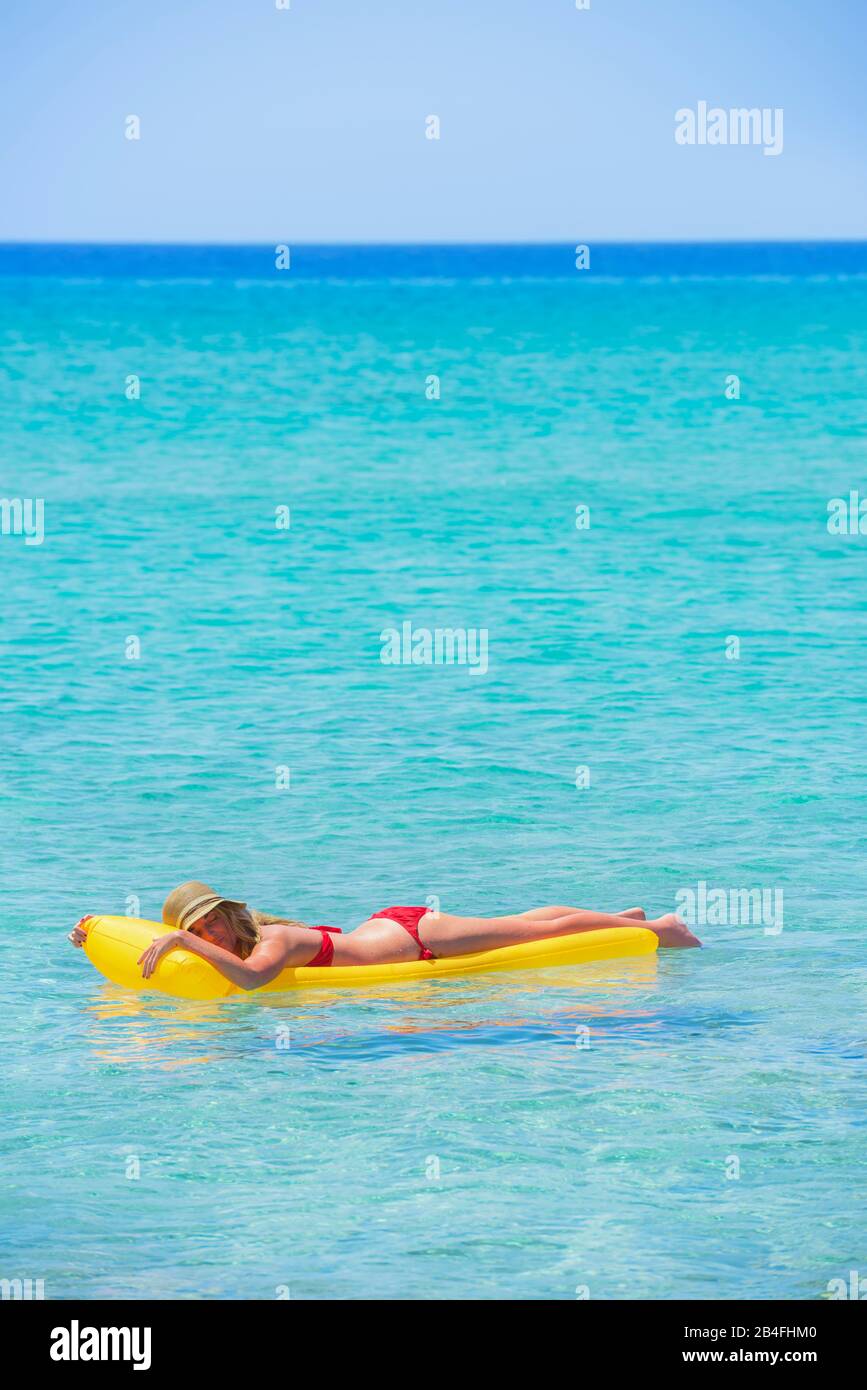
[243, 923]
[246, 923]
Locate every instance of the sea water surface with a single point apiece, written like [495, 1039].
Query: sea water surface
[689, 1127]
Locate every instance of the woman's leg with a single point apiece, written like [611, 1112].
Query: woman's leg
[447, 935]
[544, 914]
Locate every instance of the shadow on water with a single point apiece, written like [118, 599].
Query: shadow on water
[570, 1006]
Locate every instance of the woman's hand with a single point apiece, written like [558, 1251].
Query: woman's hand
[151, 958]
[77, 936]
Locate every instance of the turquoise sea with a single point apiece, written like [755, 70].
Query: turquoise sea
[693, 1128]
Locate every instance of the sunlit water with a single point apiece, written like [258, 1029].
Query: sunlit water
[689, 1127]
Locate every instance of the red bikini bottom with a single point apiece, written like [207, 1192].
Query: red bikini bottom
[406, 917]
[409, 918]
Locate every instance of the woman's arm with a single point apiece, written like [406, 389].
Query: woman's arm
[263, 964]
[78, 935]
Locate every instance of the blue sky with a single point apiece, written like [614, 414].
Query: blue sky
[308, 124]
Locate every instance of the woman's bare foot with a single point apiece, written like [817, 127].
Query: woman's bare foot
[637, 912]
[673, 932]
